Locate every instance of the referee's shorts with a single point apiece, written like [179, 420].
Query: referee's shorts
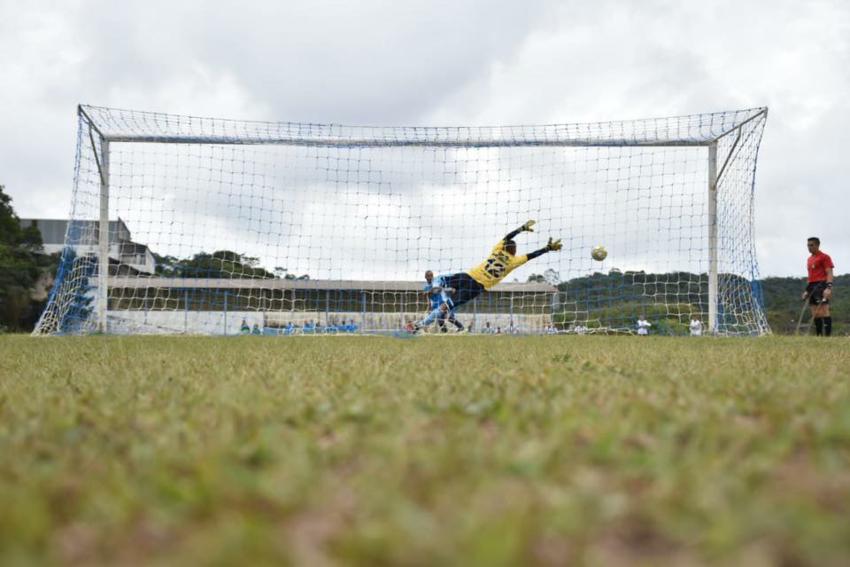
[815, 293]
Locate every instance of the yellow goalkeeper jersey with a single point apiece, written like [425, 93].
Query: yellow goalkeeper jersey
[498, 265]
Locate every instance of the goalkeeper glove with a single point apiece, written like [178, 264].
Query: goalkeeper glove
[554, 244]
[528, 226]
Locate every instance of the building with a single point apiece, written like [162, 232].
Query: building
[219, 306]
[125, 256]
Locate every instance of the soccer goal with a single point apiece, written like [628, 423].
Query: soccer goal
[181, 224]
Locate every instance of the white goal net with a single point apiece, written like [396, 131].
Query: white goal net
[195, 225]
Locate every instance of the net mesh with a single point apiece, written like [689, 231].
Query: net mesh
[222, 226]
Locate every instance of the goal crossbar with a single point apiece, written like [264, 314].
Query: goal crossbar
[681, 131]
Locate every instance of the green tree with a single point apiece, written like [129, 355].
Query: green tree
[219, 264]
[22, 264]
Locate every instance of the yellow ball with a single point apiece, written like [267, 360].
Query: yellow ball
[598, 253]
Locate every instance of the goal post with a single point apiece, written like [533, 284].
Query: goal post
[183, 224]
[103, 239]
[712, 238]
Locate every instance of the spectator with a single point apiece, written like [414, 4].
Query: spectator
[643, 326]
[695, 326]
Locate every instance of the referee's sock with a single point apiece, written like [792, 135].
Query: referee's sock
[827, 326]
[819, 326]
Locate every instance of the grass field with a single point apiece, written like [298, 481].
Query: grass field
[433, 450]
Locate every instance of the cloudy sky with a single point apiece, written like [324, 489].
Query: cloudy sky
[446, 63]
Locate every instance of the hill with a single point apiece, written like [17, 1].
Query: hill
[782, 303]
[615, 300]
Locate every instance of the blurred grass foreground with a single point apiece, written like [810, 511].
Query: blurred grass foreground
[466, 450]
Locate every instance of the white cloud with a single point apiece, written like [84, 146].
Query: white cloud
[465, 62]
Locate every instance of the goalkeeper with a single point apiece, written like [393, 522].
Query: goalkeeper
[463, 287]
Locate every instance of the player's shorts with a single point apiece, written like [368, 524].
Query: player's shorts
[815, 293]
[466, 289]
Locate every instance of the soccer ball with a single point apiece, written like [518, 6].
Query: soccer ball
[598, 253]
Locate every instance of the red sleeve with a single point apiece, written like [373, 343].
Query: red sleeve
[827, 262]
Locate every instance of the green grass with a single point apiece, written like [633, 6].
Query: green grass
[435, 450]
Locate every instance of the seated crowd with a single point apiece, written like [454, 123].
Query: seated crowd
[309, 327]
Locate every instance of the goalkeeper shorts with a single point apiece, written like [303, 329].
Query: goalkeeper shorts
[466, 288]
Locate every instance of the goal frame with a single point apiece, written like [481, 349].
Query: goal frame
[102, 157]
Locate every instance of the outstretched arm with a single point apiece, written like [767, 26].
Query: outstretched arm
[527, 227]
[552, 245]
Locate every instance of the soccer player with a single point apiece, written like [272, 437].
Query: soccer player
[503, 259]
[440, 309]
[819, 288]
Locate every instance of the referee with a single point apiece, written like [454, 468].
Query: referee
[819, 289]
